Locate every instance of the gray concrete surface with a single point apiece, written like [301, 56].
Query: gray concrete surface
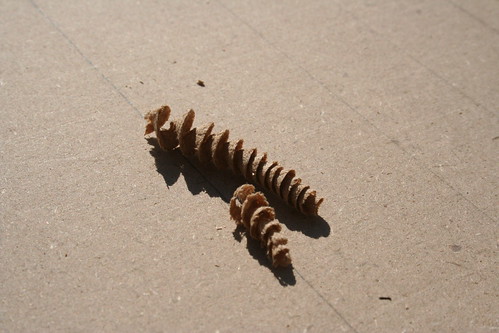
[388, 108]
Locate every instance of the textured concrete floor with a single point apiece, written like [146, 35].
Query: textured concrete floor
[388, 108]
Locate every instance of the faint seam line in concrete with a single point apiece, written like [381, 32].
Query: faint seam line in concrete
[325, 300]
[410, 56]
[438, 76]
[87, 60]
[342, 100]
[207, 180]
[444, 181]
[309, 74]
[441, 78]
[108, 80]
[476, 18]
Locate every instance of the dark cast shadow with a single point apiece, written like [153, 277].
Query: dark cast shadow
[284, 275]
[222, 185]
[170, 164]
[311, 226]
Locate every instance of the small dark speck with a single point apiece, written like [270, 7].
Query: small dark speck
[454, 263]
[455, 248]
[384, 298]
[141, 82]
[174, 61]
[66, 255]
[200, 83]
[497, 137]
[217, 265]
[395, 141]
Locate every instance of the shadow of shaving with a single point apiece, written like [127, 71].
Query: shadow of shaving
[311, 226]
[222, 185]
[171, 164]
[284, 275]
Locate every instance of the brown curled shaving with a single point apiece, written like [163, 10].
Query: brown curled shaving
[217, 150]
[252, 210]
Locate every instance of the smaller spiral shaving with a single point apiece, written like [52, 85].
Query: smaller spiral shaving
[252, 210]
[217, 150]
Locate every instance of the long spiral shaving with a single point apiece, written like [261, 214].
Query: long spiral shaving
[215, 149]
[252, 210]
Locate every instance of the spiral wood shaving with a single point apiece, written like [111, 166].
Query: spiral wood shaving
[215, 149]
[252, 210]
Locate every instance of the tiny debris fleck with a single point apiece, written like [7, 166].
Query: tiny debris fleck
[385, 298]
[200, 83]
[219, 228]
[216, 265]
[141, 82]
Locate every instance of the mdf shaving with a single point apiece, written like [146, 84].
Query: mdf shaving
[252, 210]
[217, 150]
